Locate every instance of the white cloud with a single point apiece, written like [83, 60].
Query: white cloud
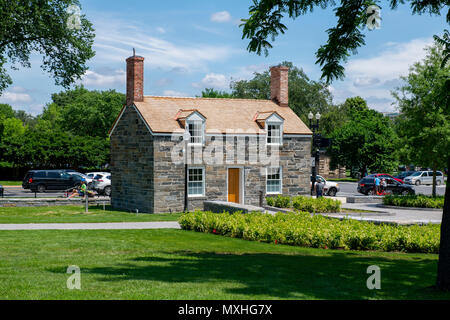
[374, 78]
[365, 81]
[173, 93]
[14, 96]
[213, 80]
[222, 16]
[95, 79]
[390, 63]
[161, 30]
[114, 43]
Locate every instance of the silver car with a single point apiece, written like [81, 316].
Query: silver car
[424, 177]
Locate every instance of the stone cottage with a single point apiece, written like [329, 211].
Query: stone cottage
[236, 150]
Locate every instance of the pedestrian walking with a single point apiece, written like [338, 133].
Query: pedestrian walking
[383, 186]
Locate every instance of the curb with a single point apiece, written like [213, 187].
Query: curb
[409, 208]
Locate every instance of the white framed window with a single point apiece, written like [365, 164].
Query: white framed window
[196, 182]
[196, 131]
[273, 134]
[274, 180]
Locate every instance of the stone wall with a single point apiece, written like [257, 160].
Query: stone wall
[148, 171]
[132, 164]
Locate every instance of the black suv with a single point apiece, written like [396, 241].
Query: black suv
[41, 180]
[366, 186]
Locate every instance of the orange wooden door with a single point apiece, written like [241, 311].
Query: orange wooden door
[233, 185]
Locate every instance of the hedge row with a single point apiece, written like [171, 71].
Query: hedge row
[418, 201]
[302, 229]
[307, 204]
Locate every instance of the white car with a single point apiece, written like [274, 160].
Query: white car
[330, 188]
[102, 183]
[424, 177]
[85, 177]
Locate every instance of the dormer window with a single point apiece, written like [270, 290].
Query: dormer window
[196, 131]
[274, 134]
[274, 129]
[194, 123]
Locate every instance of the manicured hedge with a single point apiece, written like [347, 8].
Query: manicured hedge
[307, 204]
[302, 229]
[419, 201]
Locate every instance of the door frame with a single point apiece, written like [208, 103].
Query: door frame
[241, 183]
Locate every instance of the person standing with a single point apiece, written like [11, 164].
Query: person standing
[383, 185]
[377, 185]
[319, 188]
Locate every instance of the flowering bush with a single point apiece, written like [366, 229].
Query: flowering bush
[302, 229]
[419, 201]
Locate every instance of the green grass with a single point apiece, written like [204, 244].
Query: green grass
[10, 183]
[74, 214]
[177, 264]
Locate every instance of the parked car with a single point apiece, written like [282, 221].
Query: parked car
[402, 175]
[384, 175]
[82, 176]
[425, 177]
[367, 185]
[102, 184]
[42, 180]
[330, 188]
[92, 175]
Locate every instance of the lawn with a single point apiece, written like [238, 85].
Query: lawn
[74, 214]
[177, 264]
[10, 183]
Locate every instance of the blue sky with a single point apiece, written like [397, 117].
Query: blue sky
[190, 45]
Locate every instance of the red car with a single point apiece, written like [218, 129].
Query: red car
[385, 175]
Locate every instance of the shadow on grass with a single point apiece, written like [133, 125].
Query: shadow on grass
[334, 275]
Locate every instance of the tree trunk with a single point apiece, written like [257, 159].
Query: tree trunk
[434, 181]
[443, 274]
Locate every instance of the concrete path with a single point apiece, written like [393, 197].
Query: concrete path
[400, 216]
[92, 226]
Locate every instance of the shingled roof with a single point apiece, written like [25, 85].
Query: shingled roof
[222, 115]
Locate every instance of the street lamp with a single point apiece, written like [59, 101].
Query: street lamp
[316, 145]
[186, 139]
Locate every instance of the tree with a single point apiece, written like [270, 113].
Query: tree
[305, 95]
[366, 141]
[45, 26]
[212, 93]
[424, 122]
[83, 112]
[343, 39]
[443, 274]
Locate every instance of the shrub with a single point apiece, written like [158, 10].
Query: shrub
[302, 229]
[419, 201]
[319, 205]
[306, 204]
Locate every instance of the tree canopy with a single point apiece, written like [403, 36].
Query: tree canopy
[43, 26]
[265, 24]
[366, 141]
[424, 122]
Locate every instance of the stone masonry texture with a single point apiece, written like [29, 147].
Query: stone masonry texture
[145, 178]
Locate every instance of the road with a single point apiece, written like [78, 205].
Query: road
[349, 189]
[17, 191]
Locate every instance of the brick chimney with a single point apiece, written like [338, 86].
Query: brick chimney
[279, 88]
[135, 79]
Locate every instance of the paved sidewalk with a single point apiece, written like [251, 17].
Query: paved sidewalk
[400, 216]
[92, 226]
